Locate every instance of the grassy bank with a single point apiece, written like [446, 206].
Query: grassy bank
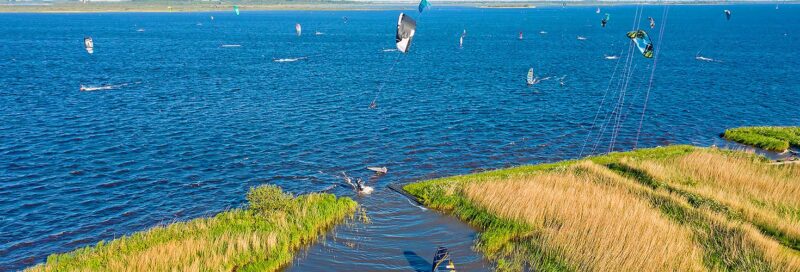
[777, 139]
[679, 208]
[262, 237]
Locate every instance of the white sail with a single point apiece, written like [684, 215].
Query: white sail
[88, 44]
[406, 27]
[298, 29]
[530, 77]
[461, 42]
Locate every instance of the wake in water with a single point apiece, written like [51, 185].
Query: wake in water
[611, 57]
[231, 45]
[289, 59]
[389, 50]
[701, 58]
[85, 88]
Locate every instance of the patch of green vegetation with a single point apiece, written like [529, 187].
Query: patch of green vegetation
[777, 139]
[262, 237]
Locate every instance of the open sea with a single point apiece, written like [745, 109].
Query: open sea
[181, 126]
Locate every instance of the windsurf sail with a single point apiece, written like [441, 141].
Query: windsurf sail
[530, 79]
[520, 35]
[597, 11]
[423, 5]
[442, 261]
[406, 27]
[642, 42]
[236, 9]
[88, 44]
[605, 20]
[727, 14]
[461, 42]
[298, 29]
[652, 22]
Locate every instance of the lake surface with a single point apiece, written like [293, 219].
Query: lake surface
[188, 125]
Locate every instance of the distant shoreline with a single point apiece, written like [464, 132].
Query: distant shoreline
[121, 7]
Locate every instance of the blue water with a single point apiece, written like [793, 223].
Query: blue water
[198, 124]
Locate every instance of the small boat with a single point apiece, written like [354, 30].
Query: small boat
[442, 261]
[543, 32]
[581, 38]
[379, 170]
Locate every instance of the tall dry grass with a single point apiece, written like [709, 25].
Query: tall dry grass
[590, 224]
[728, 245]
[765, 195]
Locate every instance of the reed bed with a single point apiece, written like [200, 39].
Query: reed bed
[259, 238]
[629, 211]
[762, 194]
[595, 227]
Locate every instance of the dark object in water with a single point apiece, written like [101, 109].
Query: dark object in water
[442, 261]
[399, 189]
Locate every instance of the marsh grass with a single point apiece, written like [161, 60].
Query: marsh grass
[777, 139]
[594, 226]
[262, 237]
[762, 194]
[609, 213]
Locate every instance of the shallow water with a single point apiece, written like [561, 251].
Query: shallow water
[198, 124]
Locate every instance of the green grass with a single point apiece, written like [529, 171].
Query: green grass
[262, 237]
[729, 242]
[777, 139]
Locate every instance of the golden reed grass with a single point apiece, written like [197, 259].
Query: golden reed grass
[766, 195]
[591, 225]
